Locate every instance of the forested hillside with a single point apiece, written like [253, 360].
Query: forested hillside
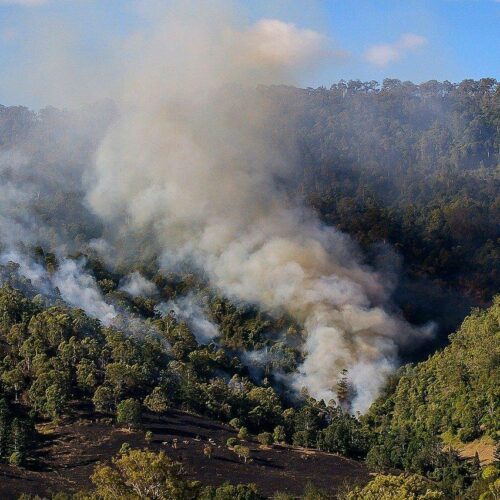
[412, 165]
[56, 359]
[455, 393]
[101, 323]
[404, 168]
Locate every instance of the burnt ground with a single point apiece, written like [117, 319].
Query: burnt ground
[67, 455]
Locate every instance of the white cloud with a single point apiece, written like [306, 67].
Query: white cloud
[277, 43]
[383, 54]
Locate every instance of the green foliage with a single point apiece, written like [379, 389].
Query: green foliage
[232, 441]
[403, 487]
[143, 474]
[16, 458]
[486, 486]
[231, 492]
[279, 434]
[156, 402]
[453, 393]
[104, 400]
[243, 433]
[413, 165]
[454, 390]
[129, 411]
[124, 448]
[235, 422]
[312, 492]
[15, 434]
[265, 438]
[52, 356]
[243, 452]
[344, 435]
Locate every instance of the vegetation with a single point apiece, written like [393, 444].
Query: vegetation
[413, 165]
[454, 392]
[401, 167]
[53, 355]
[396, 488]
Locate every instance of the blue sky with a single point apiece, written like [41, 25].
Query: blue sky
[413, 40]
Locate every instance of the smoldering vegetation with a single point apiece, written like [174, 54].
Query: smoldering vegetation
[256, 189]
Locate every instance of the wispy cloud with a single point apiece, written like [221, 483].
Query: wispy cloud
[271, 43]
[386, 53]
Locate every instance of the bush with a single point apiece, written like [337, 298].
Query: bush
[156, 402]
[232, 442]
[242, 452]
[148, 436]
[403, 486]
[467, 434]
[265, 438]
[124, 448]
[279, 434]
[129, 412]
[142, 474]
[235, 422]
[103, 399]
[231, 492]
[16, 458]
[243, 433]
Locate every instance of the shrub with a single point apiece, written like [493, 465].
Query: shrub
[232, 442]
[265, 438]
[16, 458]
[242, 452]
[124, 448]
[243, 433]
[403, 486]
[129, 412]
[231, 492]
[235, 422]
[279, 434]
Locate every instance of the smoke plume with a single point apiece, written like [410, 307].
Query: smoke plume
[190, 309]
[194, 161]
[137, 285]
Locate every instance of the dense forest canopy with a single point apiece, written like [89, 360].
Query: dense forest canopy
[56, 359]
[412, 165]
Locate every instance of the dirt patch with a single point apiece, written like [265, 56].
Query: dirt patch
[66, 457]
[485, 448]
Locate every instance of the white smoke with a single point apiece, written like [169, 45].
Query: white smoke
[137, 285]
[30, 269]
[79, 289]
[195, 160]
[70, 281]
[189, 309]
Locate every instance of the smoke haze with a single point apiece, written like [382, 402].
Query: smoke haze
[192, 161]
[195, 162]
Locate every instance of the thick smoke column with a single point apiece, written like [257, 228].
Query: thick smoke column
[193, 159]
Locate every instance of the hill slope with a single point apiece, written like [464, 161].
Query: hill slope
[69, 452]
[424, 419]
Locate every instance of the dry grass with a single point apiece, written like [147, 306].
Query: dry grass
[485, 448]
